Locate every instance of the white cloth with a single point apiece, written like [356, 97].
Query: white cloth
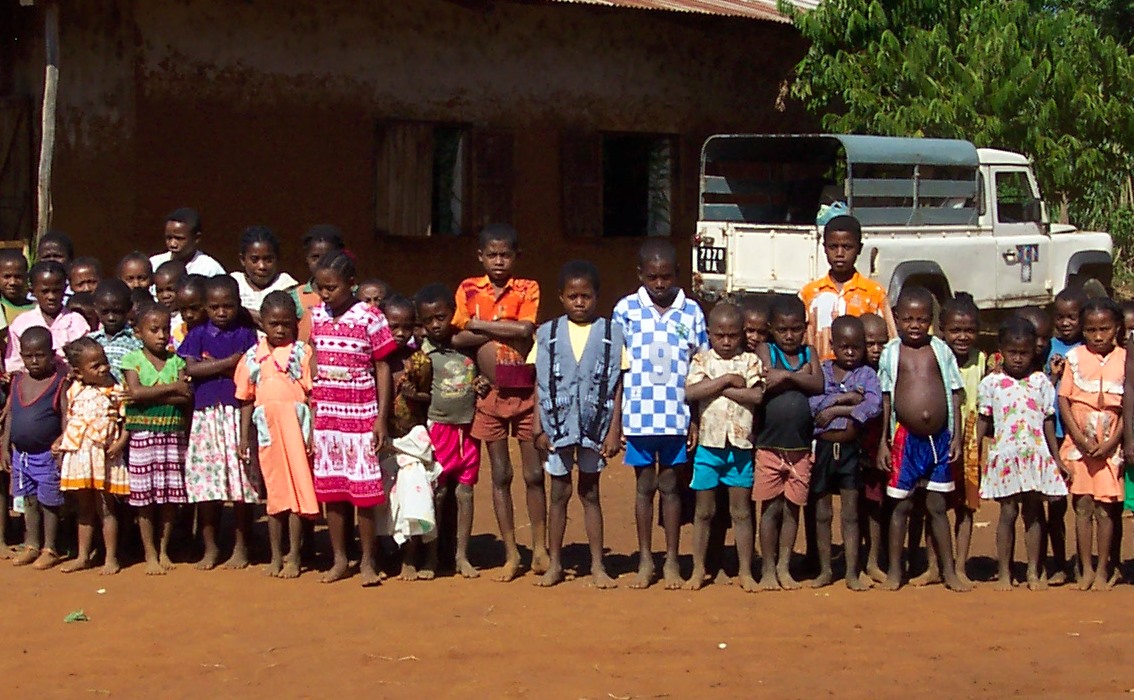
[252, 299]
[200, 264]
[409, 475]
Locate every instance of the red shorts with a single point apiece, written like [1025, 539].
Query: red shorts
[457, 451]
[780, 473]
[504, 411]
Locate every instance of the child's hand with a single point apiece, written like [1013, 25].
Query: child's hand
[956, 448]
[882, 464]
[381, 435]
[612, 445]
[694, 433]
[850, 398]
[542, 443]
[114, 451]
[57, 446]
[736, 381]
[244, 450]
[824, 417]
[1087, 445]
[1057, 362]
[5, 461]
[1068, 477]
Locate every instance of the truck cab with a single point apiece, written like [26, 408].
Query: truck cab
[938, 213]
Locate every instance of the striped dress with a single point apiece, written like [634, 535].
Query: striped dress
[158, 437]
[345, 400]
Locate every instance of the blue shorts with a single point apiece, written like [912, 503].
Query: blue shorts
[662, 450]
[721, 466]
[36, 474]
[916, 461]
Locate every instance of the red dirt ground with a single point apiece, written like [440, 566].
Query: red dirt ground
[237, 634]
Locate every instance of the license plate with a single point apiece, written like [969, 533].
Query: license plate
[711, 260]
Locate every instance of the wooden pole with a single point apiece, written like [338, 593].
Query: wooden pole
[47, 127]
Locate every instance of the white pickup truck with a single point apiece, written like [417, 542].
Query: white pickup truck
[937, 213]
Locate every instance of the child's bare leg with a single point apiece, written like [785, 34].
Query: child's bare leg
[932, 573]
[337, 529]
[149, 541]
[208, 518]
[702, 521]
[1105, 516]
[645, 485]
[537, 505]
[820, 514]
[88, 513]
[501, 465]
[368, 538]
[592, 519]
[166, 514]
[1057, 537]
[48, 556]
[873, 516]
[295, 546]
[557, 528]
[1006, 541]
[108, 512]
[899, 522]
[1116, 549]
[916, 530]
[943, 537]
[1084, 522]
[718, 530]
[740, 509]
[671, 522]
[242, 514]
[1032, 507]
[812, 560]
[428, 571]
[464, 531]
[275, 541]
[848, 506]
[5, 489]
[409, 559]
[964, 528]
[33, 531]
[771, 513]
[788, 531]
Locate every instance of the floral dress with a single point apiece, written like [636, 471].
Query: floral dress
[1019, 460]
[94, 415]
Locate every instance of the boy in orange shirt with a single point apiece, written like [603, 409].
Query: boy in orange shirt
[496, 314]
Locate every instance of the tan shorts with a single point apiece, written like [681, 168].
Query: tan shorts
[503, 412]
[777, 475]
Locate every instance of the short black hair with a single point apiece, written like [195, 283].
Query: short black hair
[842, 324]
[657, 249]
[501, 233]
[81, 300]
[36, 334]
[579, 270]
[725, 311]
[1032, 314]
[151, 308]
[88, 261]
[433, 294]
[375, 282]
[11, 255]
[58, 238]
[259, 234]
[176, 268]
[135, 256]
[192, 283]
[339, 262]
[915, 295]
[185, 215]
[844, 222]
[788, 307]
[140, 297]
[48, 268]
[323, 233]
[1016, 327]
[397, 301]
[114, 288]
[1073, 295]
[278, 300]
[222, 282]
[961, 304]
[1096, 305]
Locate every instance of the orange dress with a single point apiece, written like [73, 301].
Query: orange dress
[279, 380]
[1092, 384]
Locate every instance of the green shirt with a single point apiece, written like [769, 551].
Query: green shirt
[155, 418]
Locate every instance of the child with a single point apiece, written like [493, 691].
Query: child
[756, 311]
[578, 375]
[14, 284]
[1023, 463]
[662, 329]
[373, 291]
[1090, 396]
[112, 304]
[157, 421]
[48, 281]
[783, 443]
[412, 373]
[726, 383]
[85, 274]
[182, 238]
[274, 380]
[91, 448]
[497, 314]
[136, 271]
[259, 256]
[452, 407]
[83, 304]
[166, 278]
[922, 430]
[56, 246]
[1041, 322]
[843, 291]
[351, 397]
[1067, 311]
[873, 481]
[1127, 320]
[36, 406]
[190, 302]
[851, 398]
[214, 471]
[317, 242]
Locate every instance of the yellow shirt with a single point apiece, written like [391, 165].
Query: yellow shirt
[577, 334]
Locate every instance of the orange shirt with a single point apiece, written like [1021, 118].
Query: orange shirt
[518, 301]
[825, 302]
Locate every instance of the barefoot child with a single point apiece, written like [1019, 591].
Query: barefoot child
[662, 329]
[182, 242]
[756, 310]
[452, 409]
[91, 448]
[726, 383]
[135, 270]
[497, 314]
[85, 274]
[578, 374]
[1067, 313]
[1090, 399]
[273, 380]
[351, 396]
[190, 312]
[783, 443]
[112, 304]
[260, 258]
[373, 291]
[317, 242]
[873, 481]
[48, 280]
[921, 401]
[157, 419]
[851, 398]
[214, 471]
[1023, 463]
[14, 284]
[412, 373]
[36, 407]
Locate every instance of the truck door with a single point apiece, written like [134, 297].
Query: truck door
[1023, 244]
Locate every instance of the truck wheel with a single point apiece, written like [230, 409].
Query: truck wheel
[937, 286]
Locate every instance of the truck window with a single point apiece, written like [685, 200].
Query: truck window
[1013, 192]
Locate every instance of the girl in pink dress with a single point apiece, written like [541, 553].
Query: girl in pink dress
[351, 395]
[1090, 401]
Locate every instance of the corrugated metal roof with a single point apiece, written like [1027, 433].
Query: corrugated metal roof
[755, 9]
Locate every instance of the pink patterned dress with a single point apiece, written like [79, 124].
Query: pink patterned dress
[1019, 460]
[345, 400]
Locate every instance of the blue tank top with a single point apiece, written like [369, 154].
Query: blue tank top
[785, 418]
[36, 424]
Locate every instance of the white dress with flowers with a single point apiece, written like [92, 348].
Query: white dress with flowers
[1019, 460]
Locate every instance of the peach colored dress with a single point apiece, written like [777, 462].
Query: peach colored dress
[1093, 386]
[279, 380]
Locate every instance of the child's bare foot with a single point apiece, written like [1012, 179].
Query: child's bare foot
[723, 579]
[154, 568]
[209, 560]
[110, 567]
[338, 571]
[786, 581]
[748, 584]
[541, 560]
[467, 570]
[768, 582]
[408, 572]
[1036, 582]
[1058, 577]
[370, 576]
[290, 568]
[1114, 579]
[1100, 583]
[553, 576]
[427, 573]
[1086, 580]
[645, 576]
[47, 559]
[166, 563]
[238, 560]
[867, 580]
[876, 574]
[602, 580]
[823, 580]
[696, 581]
[892, 583]
[929, 578]
[273, 568]
[77, 564]
[955, 584]
[1002, 584]
[510, 571]
[26, 556]
[858, 583]
[964, 577]
[671, 575]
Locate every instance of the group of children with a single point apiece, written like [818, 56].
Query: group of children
[175, 384]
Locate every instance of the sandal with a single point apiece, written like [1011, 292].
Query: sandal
[26, 556]
[48, 558]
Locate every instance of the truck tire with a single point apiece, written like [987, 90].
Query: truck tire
[938, 286]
